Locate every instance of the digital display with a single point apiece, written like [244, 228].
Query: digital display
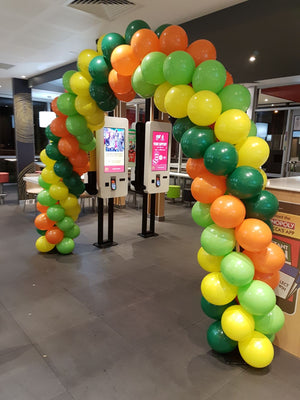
[160, 144]
[114, 154]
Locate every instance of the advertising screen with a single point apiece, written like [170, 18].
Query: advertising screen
[160, 143]
[114, 154]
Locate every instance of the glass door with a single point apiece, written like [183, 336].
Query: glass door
[293, 160]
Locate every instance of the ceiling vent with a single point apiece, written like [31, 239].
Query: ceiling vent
[105, 9]
[6, 66]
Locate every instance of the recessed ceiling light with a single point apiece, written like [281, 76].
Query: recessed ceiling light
[276, 111]
[266, 99]
[23, 76]
[252, 58]
[0, 85]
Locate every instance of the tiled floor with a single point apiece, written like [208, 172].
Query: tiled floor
[123, 323]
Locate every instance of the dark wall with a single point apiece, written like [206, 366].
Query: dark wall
[268, 27]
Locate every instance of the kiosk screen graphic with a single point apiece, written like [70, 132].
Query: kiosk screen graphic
[114, 154]
[160, 144]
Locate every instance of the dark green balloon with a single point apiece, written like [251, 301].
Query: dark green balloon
[180, 126]
[217, 339]
[235, 96]
[66, 80]
[161, 28]
[42, 233]
[44, 184]
[45, 199]
[65, 224]
[99, 69]
[196, 140]
[66, 246]
[108, 104]
[72, 181]
[53, 152]
[269, 223]
[56, 212]
[264, 206]
[133, 27]
[213, 311]
[63, 168]
[244, 182]
[110, 42]
[100, 92]
[51, 136]
[73, 233]
[66, 104]
[76, 124]
[221, 158]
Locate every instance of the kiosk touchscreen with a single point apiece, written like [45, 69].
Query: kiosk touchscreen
[157, 156]
[112, 152]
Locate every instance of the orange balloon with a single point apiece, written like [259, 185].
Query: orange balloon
[228, 211]
[268, 260]
[68, 146]
[58, 126]
[82, 170]
[54, 235]
[55, 109]
[80, 159]
[195, 167]
[123, 60]
[42, 222]
[143, 42]
[173, 38]
[119, 83]
[42, 209]
[202, 50]
[229, 79]
[126, 96]
[253, 234]
[208, 187]
[272, 279]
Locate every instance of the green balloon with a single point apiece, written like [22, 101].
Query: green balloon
[110, 42]
[237, 269]
[108, 104]
[76, 124]
[217, 339]
[72, 181]
[133, 27]
[99, 69]
[42, 233]
[100, 92]
[196, 140]
[56, 212]
[66, 246]
[201, 214]
[45, 199]
[258, 298]
[51, 136]
[86, 137]
[270, 323]
[53, 152]
[213, 311]
[152, 68]
[179, 68]
[89, 146]
[235, 96]
[253, 129]
[244, 182]
[269, 223]
[218, 241]
[66, 80]
[66, 104]
[209, 75]
[180, 126]
[264, 206]
[161, 28]
[44, 184]
[73, 232]
[271, 337]
[221, 158]
[63, 168]
[140, 86]
[65, 224]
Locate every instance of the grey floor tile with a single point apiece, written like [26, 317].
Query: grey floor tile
[64, 396]
[11, 335]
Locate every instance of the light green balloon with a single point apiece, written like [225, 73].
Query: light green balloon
[179, 68]
[237, 269]
[152, 68]
[209, 75]
[253, 130]
[257, 298]
[140, 86]
[218, 241]
[201, 214]
[270, 323]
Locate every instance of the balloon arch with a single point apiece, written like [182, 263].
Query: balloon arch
[225, 158]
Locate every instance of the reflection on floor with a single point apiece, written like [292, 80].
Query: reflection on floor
[123, 323]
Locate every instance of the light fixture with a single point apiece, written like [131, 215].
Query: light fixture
[252, 58]
[266, 99]
[45, 118]
[275, 111]
[23, 76]
[0, 85]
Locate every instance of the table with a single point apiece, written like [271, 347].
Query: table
[285, 189]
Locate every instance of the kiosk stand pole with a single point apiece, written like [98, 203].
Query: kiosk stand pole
[102, 244]
[151, 232]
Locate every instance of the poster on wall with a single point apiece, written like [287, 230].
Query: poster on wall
[114, 154]
[131, 147]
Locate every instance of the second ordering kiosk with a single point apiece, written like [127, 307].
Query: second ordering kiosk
[112, 170]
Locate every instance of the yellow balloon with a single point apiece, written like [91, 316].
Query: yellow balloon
[204, 108]
[216, 290]
[49, 176]
[79, 84]
[59, 191]
[43, 245]
[73, 212]
[264, 175]
[95, 127]
[253, 152]
[83, 62]
[160, 94]
[237, 323]
[177, 99]
[257, 350]
[99, 43]
[208, 262]
[70, 202]
[85, 105]
[232, 126]
[96, 118]
[46, 160]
